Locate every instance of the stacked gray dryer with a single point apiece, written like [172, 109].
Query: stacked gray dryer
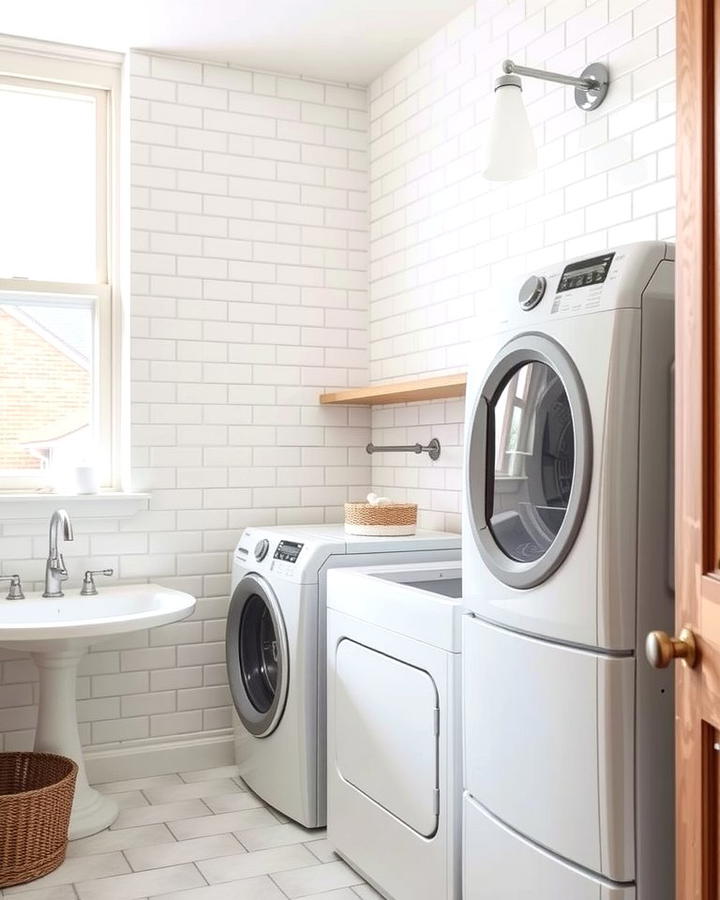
[567, 542]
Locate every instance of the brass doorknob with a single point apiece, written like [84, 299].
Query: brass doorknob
[661, 649]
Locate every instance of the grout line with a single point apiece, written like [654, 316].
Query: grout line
[200, 872]
[202, 800]
[270, 876]
[307, 845]
[173, 840]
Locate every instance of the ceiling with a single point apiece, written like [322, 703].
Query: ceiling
[337, 40]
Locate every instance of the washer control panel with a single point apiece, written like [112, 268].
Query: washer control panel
[585, 272]
[606, 280]
[284, 559]
[532, 291]
[288, 551]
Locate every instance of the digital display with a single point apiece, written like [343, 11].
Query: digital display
[288, 551]
[585, 273]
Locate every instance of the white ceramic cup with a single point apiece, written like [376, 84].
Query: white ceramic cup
[87, 480]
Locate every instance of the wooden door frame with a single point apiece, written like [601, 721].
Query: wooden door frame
[696, 442]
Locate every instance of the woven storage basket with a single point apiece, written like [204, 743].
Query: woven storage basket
[36, 795]
[391, 519]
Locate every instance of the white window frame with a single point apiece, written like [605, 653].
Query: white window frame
[50, 67]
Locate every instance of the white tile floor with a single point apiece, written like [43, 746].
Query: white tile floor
[197, 836]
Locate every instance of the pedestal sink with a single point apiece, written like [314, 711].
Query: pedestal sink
[57, 632]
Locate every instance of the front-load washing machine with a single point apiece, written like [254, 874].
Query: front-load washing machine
[275, 650]
[394, 772]
[567, 549]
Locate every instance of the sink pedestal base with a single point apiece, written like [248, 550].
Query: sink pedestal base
[57, 732]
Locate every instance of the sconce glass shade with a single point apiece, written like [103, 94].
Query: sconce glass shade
[511, 147]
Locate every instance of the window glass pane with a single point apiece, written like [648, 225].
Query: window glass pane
[534, 463]
[47, 185]
[46, 389]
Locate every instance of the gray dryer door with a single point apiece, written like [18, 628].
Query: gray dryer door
[257, 655]
[529, 461]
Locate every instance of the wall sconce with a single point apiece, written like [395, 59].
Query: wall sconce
[511, 147]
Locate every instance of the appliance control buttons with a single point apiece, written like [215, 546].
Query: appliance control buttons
[261, 549]
[532, 291]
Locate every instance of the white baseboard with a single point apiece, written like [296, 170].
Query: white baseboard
[139, 760]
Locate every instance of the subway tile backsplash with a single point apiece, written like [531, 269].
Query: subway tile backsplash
[249, 297]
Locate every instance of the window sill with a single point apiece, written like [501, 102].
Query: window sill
[36, 505]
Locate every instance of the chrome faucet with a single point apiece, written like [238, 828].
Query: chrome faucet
[55, 571]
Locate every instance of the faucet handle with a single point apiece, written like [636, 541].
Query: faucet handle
[88, 588]
[15, 591]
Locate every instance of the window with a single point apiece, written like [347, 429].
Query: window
[56, 288]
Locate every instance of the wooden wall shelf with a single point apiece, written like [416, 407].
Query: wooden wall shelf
[440, 388]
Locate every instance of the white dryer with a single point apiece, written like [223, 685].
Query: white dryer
[394, 752]
[567, 549]
[275, 651]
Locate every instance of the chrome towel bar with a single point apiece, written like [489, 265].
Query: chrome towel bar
[432, 449]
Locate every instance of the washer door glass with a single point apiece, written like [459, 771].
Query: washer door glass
[258, 653]
[529, 461]
[257, 656]
[534, 461]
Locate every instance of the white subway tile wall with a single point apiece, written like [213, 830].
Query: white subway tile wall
[442, 238]
[249, 264]
[249, 297]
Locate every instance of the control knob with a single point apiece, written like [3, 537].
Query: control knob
[261, 549]
[532, 291]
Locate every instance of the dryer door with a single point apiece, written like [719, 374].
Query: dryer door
[529, 461]
[386, 733]
[257, 655]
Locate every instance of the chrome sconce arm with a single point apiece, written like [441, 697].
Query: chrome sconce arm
[511, 147]
[590, 88]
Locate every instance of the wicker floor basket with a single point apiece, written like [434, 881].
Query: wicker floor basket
[390, 519]
[36, 795]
